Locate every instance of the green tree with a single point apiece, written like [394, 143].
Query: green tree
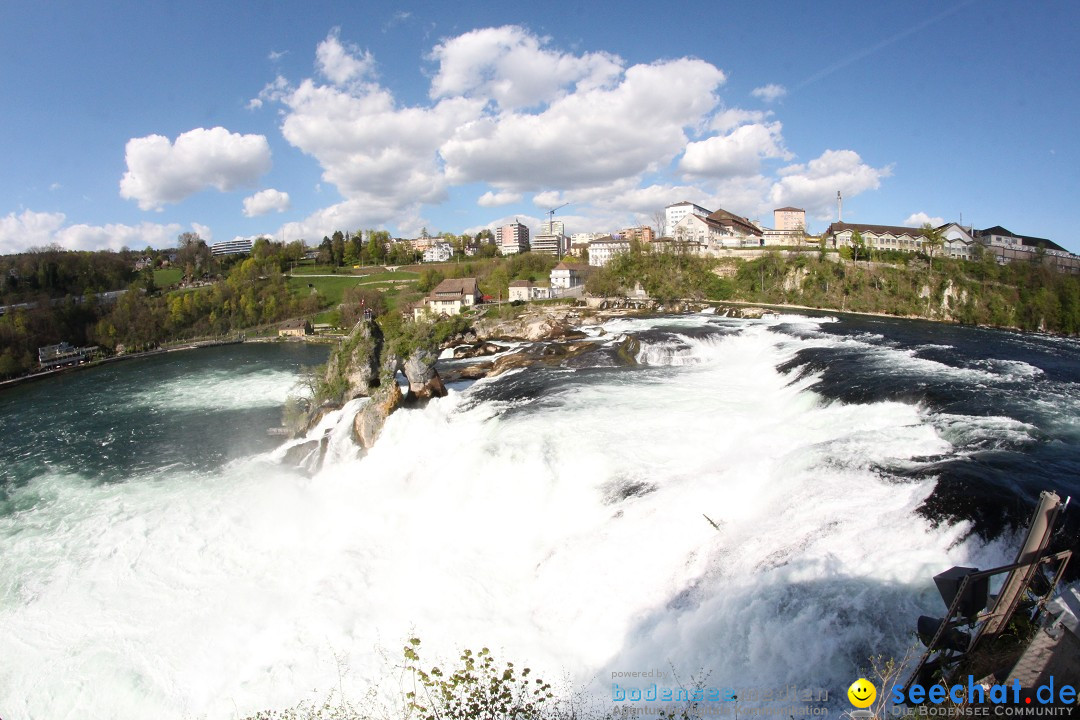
[326, 251]
[337, 248]
[858, 245]
[933, 239]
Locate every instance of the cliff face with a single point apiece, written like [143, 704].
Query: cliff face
[353, 369]
[362, 366]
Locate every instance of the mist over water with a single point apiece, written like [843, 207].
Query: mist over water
[158, 562]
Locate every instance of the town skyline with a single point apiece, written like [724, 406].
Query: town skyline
[319, 119]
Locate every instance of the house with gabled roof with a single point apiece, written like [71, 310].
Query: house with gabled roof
[450, 297]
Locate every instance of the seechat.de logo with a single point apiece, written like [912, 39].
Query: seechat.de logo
[971, 692]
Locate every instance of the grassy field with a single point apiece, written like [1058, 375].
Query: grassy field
[310, 268]
[331, 287]
[168, 276]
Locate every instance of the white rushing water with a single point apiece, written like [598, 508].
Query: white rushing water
[564, 532]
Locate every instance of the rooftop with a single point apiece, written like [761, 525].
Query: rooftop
[455, 286]
[839, 227]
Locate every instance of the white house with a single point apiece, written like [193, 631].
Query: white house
[527, 290]
[603, 249]
[565, 276]
[718, 230]
[959, 241]
[438, 252]
[450, 297]
[674, 213]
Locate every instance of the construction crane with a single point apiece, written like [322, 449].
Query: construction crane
[551, 214]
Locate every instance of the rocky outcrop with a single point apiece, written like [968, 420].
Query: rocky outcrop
[298, 453]
[738, 311]
[368, 423]
[467, 372]
[424, 380]
[548, 323]
[628, 349]
[481, 350]
[551, 355]
[353, 369]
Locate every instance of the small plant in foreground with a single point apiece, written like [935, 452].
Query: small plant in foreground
[479, 688]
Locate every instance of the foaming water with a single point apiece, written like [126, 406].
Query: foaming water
[220, 389]
[703, 510]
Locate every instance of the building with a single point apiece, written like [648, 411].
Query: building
[643, 234]
[551, 240]
[512, 238]
[61, 355]
[565, 276]
[439, 252]
[959, 242]
[875, 237]
[718, 230]
[583, 238]
[604, 248]
[697, 228]
[236, 246]
[999, 237]
[525, 290]
[450, 297]
[1007, 247]
[552, 227]
[736, 229]
[787, 219]
[294, 328]
[546, 244]
[674, 213]
[423, 243]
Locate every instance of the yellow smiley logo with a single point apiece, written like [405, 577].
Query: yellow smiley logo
[862, 693]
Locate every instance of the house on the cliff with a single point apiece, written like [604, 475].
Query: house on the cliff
[450, 297]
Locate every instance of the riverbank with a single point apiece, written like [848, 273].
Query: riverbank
[45, 374]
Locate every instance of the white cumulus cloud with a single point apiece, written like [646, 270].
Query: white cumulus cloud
[510, 110]
[266, 201]
[339, 64]
[495, 199]
[920, 218]
[30, 229]
[203, 231]
[589, 137]
[161, 172]
[736, 154]
[813, 185]
[514, 68]
[770, 92]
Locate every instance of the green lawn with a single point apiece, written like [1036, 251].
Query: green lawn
[168, 276]
[332, 287]
[319, 270]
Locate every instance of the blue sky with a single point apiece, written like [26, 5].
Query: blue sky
[126, 123]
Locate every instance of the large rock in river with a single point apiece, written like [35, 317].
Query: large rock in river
[424, 380]
[369, 422]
